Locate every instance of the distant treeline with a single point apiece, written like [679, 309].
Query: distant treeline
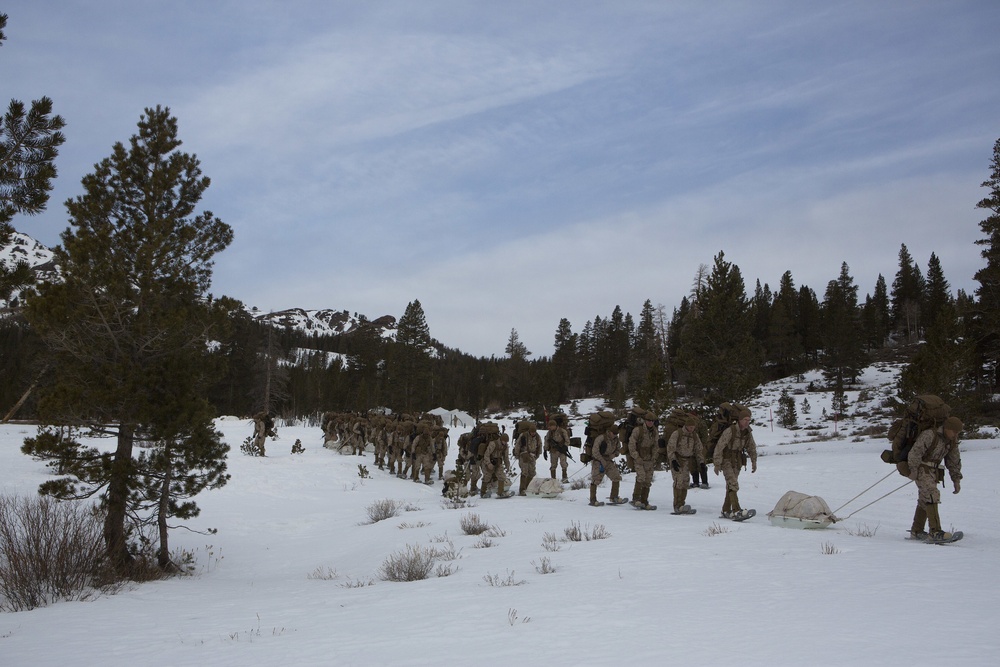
[718, 344]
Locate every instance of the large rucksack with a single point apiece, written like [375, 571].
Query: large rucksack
[485, 433]
[923, 412]
[597, 423]
[726, 416]
[626, 427]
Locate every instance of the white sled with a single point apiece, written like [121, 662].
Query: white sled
[544, 487]
[798, 510]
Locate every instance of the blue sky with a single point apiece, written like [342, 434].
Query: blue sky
[512, 163]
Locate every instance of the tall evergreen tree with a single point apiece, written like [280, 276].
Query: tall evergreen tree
[907, 295]
[718, 351]
[129, 327]
[784, 344]
[409, 363]
[987, 314]
[937, 292]
[843, 353]
[564, 359]
[29, 143]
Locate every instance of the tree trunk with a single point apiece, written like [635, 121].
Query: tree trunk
[122, 468]
[163, 553]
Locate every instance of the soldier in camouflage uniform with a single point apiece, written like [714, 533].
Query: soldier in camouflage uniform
[527, 449]
[685, 454]
[931, 447]
[440, 448]
[495, 463]
[468, 460]
[556, 449]
[605, 448]
[263, 428]
[642, 447]
[422, 452]
[735, 446]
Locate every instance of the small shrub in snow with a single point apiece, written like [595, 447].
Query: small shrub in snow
[550, 542]
[50, 551]
[715, 529]
[544, 566]
[323, 573]
[863, 530]
[484, 543]
[413, 564]
[380, 510]
[497, 580]
[574, 533]
[829, 549]
[472, 524]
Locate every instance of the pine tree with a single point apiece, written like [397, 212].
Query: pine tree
[564, 359]
[129, 327]
[937, 292]
[29, 143]
[987, 313]
[409, 363]
[515, 348]
[907, 295]
[786, 410]
[843, 353]
[718, 352]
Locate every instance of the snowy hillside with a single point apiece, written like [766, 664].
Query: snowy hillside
[323, 321]
[293, 574]
[23, 248]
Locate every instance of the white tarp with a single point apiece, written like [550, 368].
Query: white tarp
[795, 505]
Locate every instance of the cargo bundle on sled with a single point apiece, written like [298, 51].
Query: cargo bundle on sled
[798, 510]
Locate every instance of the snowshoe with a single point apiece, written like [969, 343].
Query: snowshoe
[618, 501]
[705, 485]
[743, 515]
[505, 494]
[597, 503]
[685, 509]
[944, 538]
[647, 506]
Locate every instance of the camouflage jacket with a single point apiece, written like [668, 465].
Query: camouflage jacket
[732, 444]
[932, 447]
[642, 443]
[685, 445]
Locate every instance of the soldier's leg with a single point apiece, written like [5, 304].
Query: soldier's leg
[919, 521]
[615, 476]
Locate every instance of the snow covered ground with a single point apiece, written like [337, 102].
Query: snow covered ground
[291, 577]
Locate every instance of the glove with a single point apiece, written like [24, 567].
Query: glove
[545, 455]
[715, 469]
[957, 484]
[675, 465]
[753, 467]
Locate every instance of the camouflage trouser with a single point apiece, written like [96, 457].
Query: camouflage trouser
[527, 465]
[644, 470]
[473, 472]
[598, 471]
[557, 458]
[732, 474]
[687, 465]
[491, 474]
[423, 463]
[927, 485]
